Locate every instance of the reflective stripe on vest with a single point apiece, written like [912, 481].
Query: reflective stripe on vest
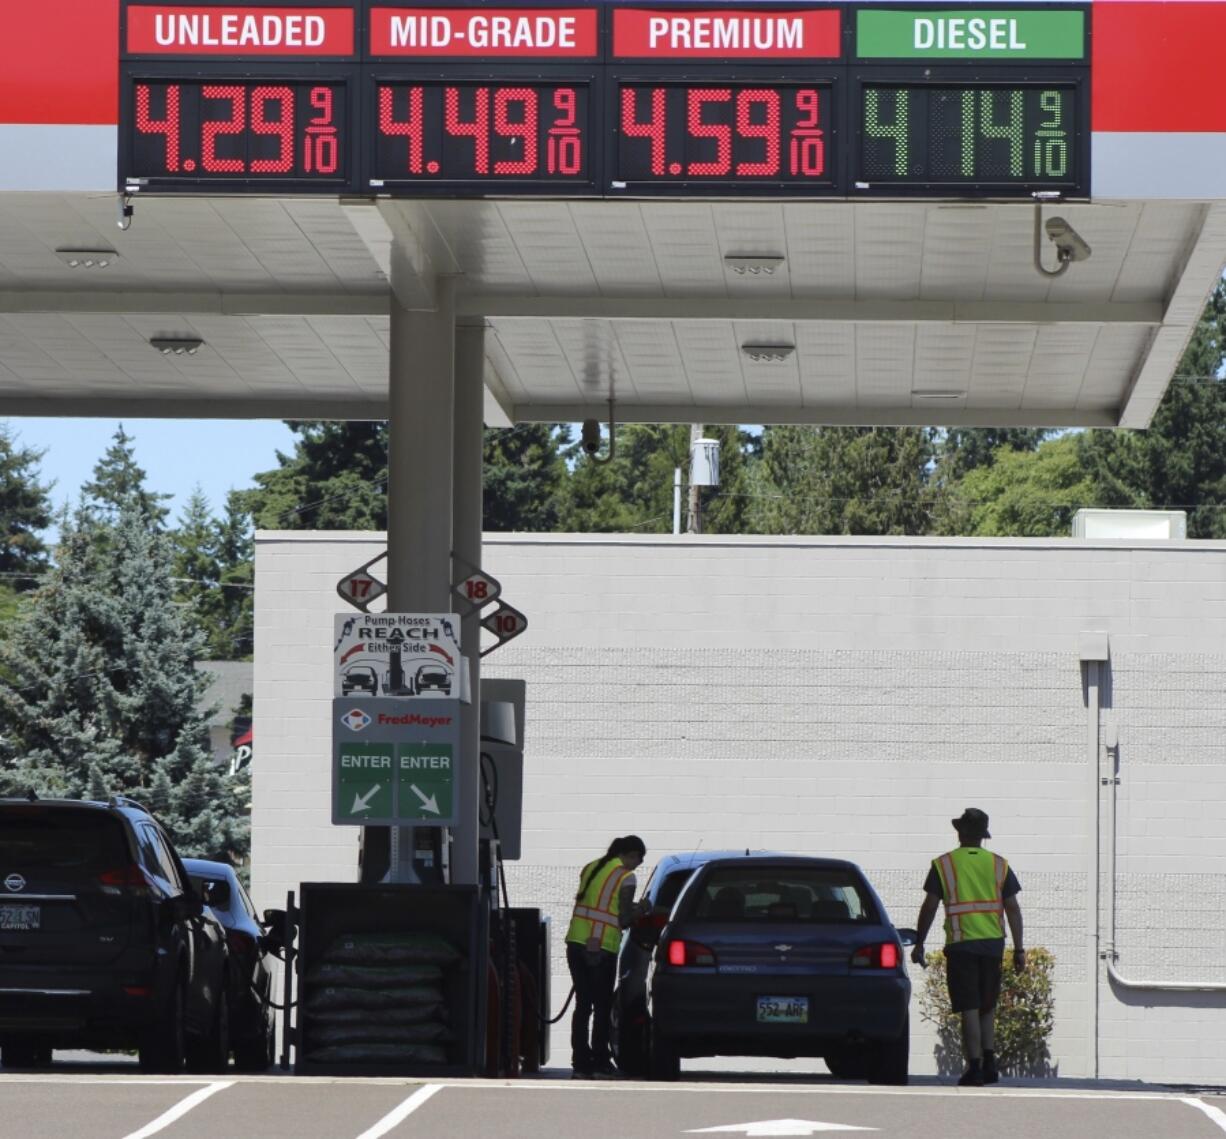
[596, 914]
[973, 882]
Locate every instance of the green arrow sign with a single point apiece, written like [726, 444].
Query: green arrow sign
[424, 775]
[364, 781]
[970, 33]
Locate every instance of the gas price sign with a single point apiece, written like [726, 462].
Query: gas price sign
[618, 98]
[727, 134]
[250, 132]
[483, 133]
[945, 135]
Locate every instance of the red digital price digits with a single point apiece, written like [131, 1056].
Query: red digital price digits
[237, 129]
[776, 133]
[464, 131]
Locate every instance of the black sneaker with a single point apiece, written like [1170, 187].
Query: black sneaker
[972, 1077]
[991, 1071]
[580, 1075]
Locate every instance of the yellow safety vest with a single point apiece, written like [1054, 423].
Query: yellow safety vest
[596, 912]
[973, 881]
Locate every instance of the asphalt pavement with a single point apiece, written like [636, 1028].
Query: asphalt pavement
[108, 1102]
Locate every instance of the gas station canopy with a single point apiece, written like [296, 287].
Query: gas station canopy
[809, 213]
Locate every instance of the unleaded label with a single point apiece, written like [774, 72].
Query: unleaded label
[997, 34]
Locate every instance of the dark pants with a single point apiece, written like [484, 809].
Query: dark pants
[593, 975]
[974, 980]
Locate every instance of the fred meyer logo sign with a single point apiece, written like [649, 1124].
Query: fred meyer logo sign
[971, 34]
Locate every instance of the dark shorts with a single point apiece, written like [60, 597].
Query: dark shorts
[974, 980]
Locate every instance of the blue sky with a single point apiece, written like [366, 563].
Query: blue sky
[176, 454]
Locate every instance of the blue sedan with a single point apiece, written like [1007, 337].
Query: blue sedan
[784, 956]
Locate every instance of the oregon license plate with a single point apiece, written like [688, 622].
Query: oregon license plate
[783, 1010]
[20, 917]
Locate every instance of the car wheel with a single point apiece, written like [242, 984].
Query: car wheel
[162, 1045]
[849, 1063]
[211, 1053]
[888, 1060]
[665, 1059]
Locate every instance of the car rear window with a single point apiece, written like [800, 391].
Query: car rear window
[781, 893]
[34, 839]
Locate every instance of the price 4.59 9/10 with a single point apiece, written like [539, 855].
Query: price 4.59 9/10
[682, 132]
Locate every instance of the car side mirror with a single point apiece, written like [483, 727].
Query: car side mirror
[907, 936]
[274, 918]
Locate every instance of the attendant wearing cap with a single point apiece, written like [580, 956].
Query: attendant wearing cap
[979, 891]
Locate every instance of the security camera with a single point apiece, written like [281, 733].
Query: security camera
[1070, 245]
[591, 436]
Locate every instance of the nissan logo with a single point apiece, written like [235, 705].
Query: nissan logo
[14, 882]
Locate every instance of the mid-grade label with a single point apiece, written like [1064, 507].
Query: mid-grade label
[1003, 34]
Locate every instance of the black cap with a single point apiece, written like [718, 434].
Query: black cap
[973, 823]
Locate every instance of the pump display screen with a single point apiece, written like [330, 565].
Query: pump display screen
[986, 134]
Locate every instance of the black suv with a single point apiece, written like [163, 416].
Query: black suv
[103, 942]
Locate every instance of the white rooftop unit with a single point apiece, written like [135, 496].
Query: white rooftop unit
[1142, 525]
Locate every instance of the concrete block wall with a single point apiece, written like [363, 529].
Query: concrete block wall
[840, 696]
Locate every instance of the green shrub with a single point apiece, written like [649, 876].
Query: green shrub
[1025, 1015]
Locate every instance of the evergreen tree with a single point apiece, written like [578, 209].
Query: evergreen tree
[25, 509]
[98, 689]
[634, 491]
[336, 479]
[523, 475]
[1180, 460]
[845, 480]
[233, 636]
[963, 449]
[1023, 494]
[213, 573]
[120, 482]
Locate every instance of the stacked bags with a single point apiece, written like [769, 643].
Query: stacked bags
[379, 998]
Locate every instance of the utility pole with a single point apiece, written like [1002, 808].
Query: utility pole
[694, 525]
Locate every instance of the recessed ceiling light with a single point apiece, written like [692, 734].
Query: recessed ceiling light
[768, 353]
[753, 264]
[177, 345]
[937, 393]
[87, 258]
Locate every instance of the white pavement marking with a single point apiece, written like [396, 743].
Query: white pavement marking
[180, 1109]
[1215, 1113]
[781, 1127]
[393, 1117]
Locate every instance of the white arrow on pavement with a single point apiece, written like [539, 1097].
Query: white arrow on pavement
[781, 1127]
[362, 802]
[430, 804]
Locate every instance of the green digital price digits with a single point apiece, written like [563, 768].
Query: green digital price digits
[895, 127]
[1009, 126]
[999, 133]
[1051, 139]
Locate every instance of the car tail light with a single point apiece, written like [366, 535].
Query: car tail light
[138, 990]
[883, 956]
[130, 879]
[689, 953]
